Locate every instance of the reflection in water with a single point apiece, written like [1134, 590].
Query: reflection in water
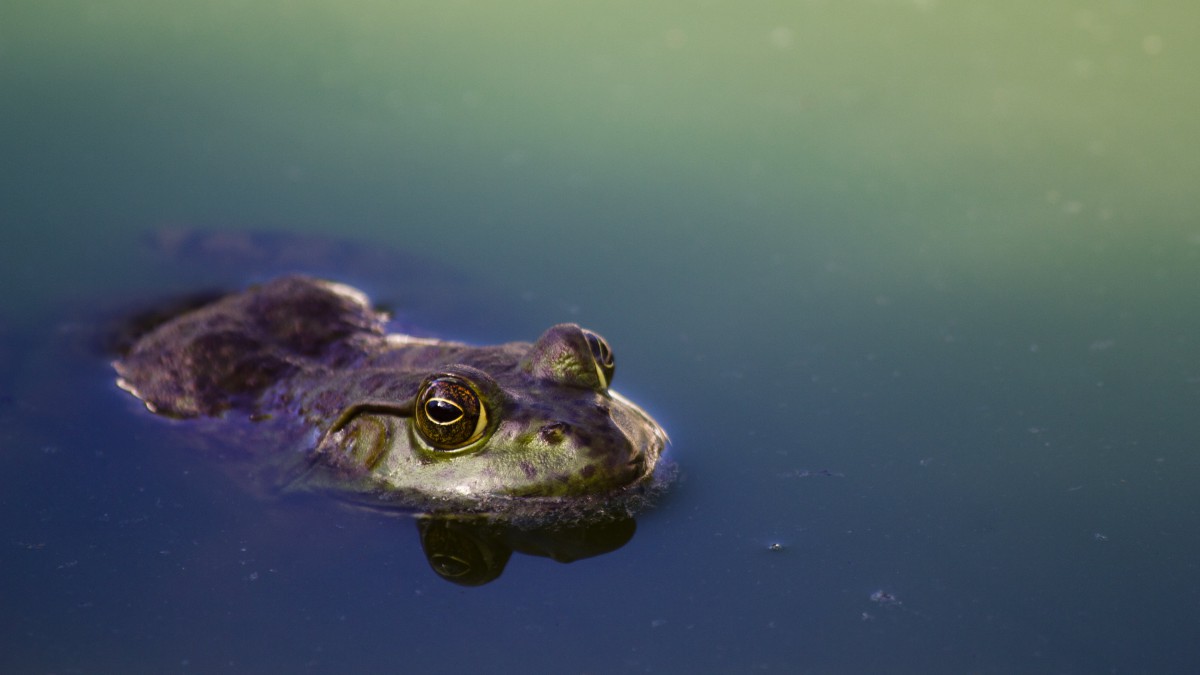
[474, 550]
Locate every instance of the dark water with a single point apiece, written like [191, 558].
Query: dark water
[911, 285]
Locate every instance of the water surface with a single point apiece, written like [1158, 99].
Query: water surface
[910, 284]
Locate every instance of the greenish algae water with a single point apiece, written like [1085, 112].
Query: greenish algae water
[911, 285]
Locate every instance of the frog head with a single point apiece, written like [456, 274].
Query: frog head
[518, 420]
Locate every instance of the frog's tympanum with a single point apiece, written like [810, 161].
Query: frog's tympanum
[301, 373]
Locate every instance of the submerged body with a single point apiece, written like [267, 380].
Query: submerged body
[303, 370]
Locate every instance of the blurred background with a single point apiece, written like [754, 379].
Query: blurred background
[911, 284]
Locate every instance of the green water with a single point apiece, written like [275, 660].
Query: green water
[947, 251]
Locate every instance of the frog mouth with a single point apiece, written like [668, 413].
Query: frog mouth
[646, 436]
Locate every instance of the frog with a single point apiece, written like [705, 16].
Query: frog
[303, 374]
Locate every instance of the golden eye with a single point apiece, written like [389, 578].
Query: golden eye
[602, 355]
[449, 413]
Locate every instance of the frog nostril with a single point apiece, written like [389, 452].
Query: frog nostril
[553, 433]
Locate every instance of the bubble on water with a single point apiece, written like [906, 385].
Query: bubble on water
[884, 598]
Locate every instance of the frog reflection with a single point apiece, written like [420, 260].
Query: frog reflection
[474, 550]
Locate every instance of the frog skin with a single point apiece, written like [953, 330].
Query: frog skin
[301, 370]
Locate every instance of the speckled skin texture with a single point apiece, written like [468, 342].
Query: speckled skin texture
[303, 367]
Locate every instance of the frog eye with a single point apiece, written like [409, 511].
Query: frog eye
[603, 356]
[449, 413]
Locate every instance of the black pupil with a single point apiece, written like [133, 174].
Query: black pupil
[442, 412]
